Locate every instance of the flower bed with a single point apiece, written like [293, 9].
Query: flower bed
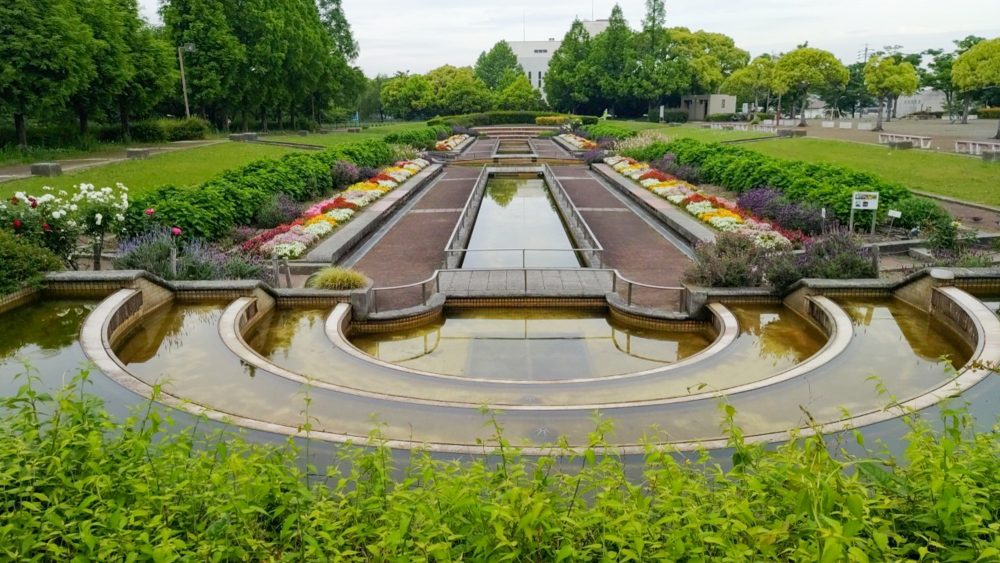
[293, 239]
[578, 141]
[720, 213]
[450, 143]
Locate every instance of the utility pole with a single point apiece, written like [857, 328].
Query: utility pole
[188, 47]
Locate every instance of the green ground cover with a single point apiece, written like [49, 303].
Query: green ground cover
[184, 167]
[945, 174]
[691, 131]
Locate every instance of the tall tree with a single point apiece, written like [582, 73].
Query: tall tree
[335, 22]
[370, 100]
[151, 61]
[753, 82]
[498, 67]
[456, 90]
[660, 69]
[887, 78]
[979, 68]
[613, 59]
[45, 57]
[806, 70]
[712, 57]
[214, 67]
[404, 96]
[109, 55]
[568, 84]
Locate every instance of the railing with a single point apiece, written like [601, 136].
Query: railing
[634, 294]
[668, 298]
[459, 255]
[466, 220]
[594, 255]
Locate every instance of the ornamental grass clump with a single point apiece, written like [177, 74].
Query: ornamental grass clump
[338, 279]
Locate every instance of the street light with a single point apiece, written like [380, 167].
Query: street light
[185, 48]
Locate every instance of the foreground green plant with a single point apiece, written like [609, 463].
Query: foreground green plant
[78, 485]
[340, 279]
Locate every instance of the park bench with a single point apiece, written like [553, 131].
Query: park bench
[977, 147]
[917, 140]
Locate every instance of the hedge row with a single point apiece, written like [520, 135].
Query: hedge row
[989, 113]
[151, 131]
[825, 185]
[159, 130]
[608, 130]
[501, 118]
[419, 137]
[211, 210]
[669, 116]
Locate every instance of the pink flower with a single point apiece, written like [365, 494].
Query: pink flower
[149, 212]
[176, 231]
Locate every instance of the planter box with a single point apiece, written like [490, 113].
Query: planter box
[47, 169]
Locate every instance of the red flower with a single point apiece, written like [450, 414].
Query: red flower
[34, 202]
[14, 201]
[656, 175]
[46, 228]
[18, 224]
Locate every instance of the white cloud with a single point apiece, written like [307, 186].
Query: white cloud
[405, 35]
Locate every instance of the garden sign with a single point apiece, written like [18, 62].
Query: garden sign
[864, 201]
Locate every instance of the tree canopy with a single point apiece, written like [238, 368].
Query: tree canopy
[978, 68]
[808, 70]
[498, 67]
[887, 76]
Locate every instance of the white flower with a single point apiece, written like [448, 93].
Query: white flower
[98, 218]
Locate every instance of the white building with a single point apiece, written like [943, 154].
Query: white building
[700, 107]
[927, 99]
[534, 56]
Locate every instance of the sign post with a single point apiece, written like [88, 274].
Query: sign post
[864, 201]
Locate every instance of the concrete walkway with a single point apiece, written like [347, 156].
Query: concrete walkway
[19, 171]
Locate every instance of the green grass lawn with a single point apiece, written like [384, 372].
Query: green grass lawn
[183, 167]
[949, 175]
[691, 131]
[339, 138]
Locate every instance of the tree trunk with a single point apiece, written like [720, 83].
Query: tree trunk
[123, 118]
[802, 118]
[84, 118]
[881, 106]
[889, 109]
[895, 107]
[997, 136]
[966, 103]
[21, 128]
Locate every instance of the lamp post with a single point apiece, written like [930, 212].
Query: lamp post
[185, 48]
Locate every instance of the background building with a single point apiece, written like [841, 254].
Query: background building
[700, 107]
[534, 56]
[926, 99]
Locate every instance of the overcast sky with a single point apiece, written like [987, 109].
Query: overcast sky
[418, 36]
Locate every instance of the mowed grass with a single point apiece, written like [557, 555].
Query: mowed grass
[691, 131]
[183, 167]
[960, 177]
[338, 138]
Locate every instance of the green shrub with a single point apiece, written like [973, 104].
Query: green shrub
[608, 130]
[721, 117]
[191, 129]
[824, 185]
[919, 212]
[340, 279]
[554, 120]
[675, 116]
[23, 264]
[148, 132]
[420, 137]
[989, 113]
[80, 484]
[501, 118]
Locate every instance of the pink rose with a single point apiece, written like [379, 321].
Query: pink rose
[149, 212]
[176, 231]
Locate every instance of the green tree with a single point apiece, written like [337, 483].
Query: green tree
[335, 22]
[612, 59]
[660, 68]
[806, 70]
[45, 57]
[886, 77]
[214, 68]
[109, 54]
[498, 67]
[711, 57]
[978, 68]
[568, 83]
[456, 90]
[404, 95]
[519, 95]
[370, 100]
[153, 74]
[753, 82]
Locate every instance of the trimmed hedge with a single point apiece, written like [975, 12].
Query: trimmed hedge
[675, 116]
[210, 210]
[554, 120]
[605, 129]
[989, 113]
[420, 137]
[24, 264]
[825, 185]
[502, 118]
